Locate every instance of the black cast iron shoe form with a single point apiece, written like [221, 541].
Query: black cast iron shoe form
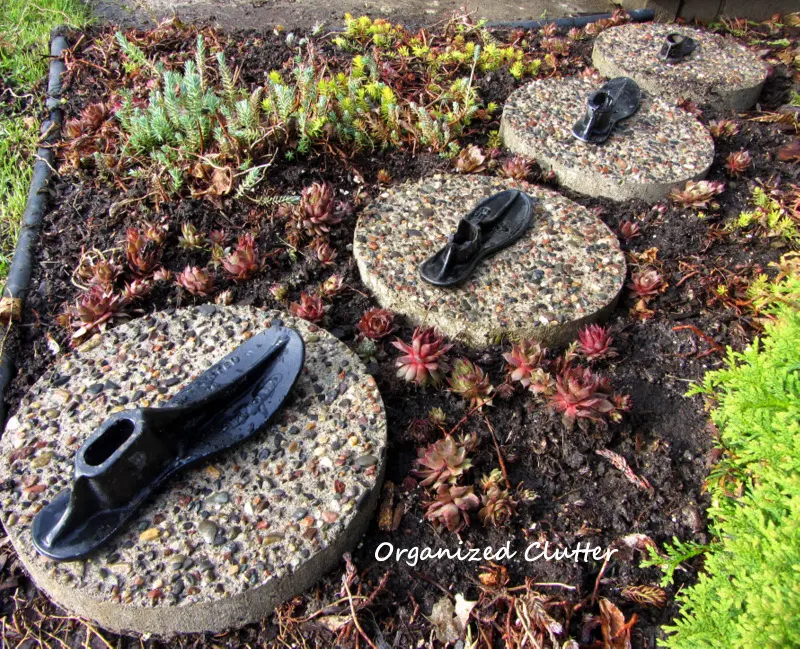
[676, 47]
[133, 452]
[616, 100]
[493, 224]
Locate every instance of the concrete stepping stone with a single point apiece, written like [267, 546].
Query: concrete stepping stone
[720, 72]
[660, 146]
[227, 540]
[566, 271]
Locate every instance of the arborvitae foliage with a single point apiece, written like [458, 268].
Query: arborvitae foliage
[748, 595]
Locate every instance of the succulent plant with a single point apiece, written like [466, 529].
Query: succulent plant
[384, 177]
[104, 272]
[331, 286]
[162, 275]
[470, 381]
[190, 238]
[445, 461]
[524, 359]
[575, 34]
[367, 350]
[582, 395]
[135, 290]
[326, 253]
[628, 230]
[737, 162]
[424, 360]
[420, 430]
[516, 167]
[437, 416]
[646, 282]
[91, 119]
[697, 194]
[690, 107]
[376, 324]
[622, 403]
[549, 30]
[309, 308]
[225, 298]
[451, 506]
[558, 46]
[279, 291]
[196, 280]
[723, 128]
[498, 505]
[595, 342]
[142, 253]
[242, 263]
[317, 209]
[470, 160]
[218, 237]
[155, 232]
[93, 310]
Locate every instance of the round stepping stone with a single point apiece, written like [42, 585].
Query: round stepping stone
[229, 539]
[720, 72]
[566, 271]
[660, 146]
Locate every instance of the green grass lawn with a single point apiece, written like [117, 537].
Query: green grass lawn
[24, 46]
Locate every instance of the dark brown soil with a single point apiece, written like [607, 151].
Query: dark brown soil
[581, 498]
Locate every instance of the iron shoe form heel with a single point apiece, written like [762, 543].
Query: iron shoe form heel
[616, 100]
[493, 224]
[127, 459]
[676, 47]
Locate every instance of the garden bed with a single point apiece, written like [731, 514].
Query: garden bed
[662, 342]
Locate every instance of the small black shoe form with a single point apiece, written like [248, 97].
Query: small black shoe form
[493, 224]
[615, 101]
[133, 452]
[676, 48]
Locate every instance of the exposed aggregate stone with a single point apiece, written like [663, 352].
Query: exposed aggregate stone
[647, 154]
[567, 270]
[249, 517]
[720, 71]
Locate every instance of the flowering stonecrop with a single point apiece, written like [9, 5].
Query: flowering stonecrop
[697, 194]
[737, 162]
[723, 128]
[196, 280]
[469, 381]
[242, 262]
[317, 213]
[424, 360]
[141, 252]
[594, 342]
[309, 308]
[190, 238]
[584, 396]
[517, 168]
[376, 324]
[646, 282]
[628, 230]
[445, 461]
[470, 160]
[451, 506]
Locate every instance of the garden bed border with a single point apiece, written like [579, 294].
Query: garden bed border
[19, 274]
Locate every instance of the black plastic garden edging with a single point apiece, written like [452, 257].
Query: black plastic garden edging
[19, 275]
